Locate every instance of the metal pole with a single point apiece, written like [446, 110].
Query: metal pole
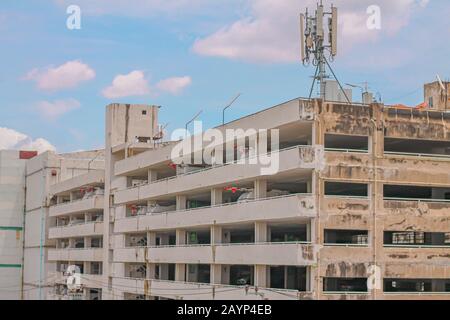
[227, 106]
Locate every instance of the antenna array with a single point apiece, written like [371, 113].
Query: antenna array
[314, 43]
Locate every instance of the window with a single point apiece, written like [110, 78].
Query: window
[339, 141]
[345, 284]
[346, 189]
[416, 238]
[144, 112]
[346, 237]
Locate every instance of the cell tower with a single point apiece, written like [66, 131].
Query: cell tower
[315, 43]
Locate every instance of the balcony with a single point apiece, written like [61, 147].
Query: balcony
[295, 159]
[273, 253]
[87, 280]
[78, 230]
[83, 205]
[200, 291]
[71, 254]
[276, 208]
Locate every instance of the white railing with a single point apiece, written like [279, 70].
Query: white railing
[219, 245]
[417, 200]
[240, 161]
[220, 205]
[420, 155]
[417, 246]
[76, 224]
[355, 245]
[346, 150]
[204, 286]
[77, 200]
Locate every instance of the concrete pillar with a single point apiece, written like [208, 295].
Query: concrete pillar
[180, 237]
[216, 196]
[216, 274]
[181, 202]
[216, 234]
[261, 276]
[151, 270]
[180, 272]
[151, 239]
[87, 242]
[261, 231]
[152, 175]
[260, 190]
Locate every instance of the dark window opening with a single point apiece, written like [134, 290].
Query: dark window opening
[198, 273]
[294, 278]
[240, 236]
[416, 285]
[288, 234]
[345, 284]
[144, 112]
[414, 146]
[416, 238]
[241, 275]
[201, 237]
[346, 189]
[337, 141]
[346, 237]
[415, 192]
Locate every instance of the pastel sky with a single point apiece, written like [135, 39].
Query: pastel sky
[188, 55]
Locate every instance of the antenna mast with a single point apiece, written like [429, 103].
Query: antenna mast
[314, 43]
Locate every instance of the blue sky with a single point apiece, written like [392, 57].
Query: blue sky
[192, 55]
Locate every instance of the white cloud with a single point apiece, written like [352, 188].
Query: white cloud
[13, 140]
[131, 84]
[53, 110]
[145, 8]
[67, 75]
[270, 33]
[174, 85]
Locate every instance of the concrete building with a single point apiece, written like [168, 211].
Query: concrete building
[12, 204]
[357, 208]
[51, 179]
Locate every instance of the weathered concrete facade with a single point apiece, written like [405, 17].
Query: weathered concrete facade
[359, 208]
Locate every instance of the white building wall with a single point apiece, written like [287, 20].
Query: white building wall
[12, 195]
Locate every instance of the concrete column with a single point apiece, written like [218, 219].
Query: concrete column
[260, 190]
[72, 197]
[261, 276]
[180, 272]
[151, 270]
[216, 274]
[151, 238]
[87, 242]
[261, 231]
[180, 237]
[152, 175]
[181, 202]
[216, 234]
[216, 196]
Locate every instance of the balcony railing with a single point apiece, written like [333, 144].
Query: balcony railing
[220, 205]
[418, 200]
[240, 161]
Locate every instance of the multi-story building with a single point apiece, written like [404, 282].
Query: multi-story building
[51, 193]
[12, 204]
[358, 209]
[356, 205]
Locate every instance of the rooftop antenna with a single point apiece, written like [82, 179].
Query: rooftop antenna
[192, 120]
[314, 44]
[229, 105]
